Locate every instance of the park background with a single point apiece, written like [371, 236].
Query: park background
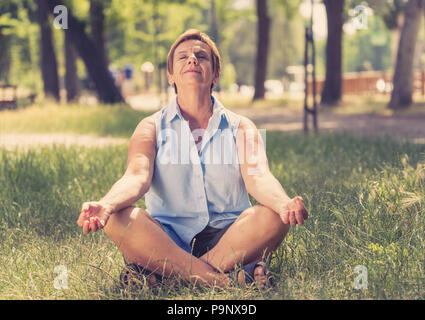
[71, 97]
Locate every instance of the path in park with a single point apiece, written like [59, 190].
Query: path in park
[25, 141]
[410, 127]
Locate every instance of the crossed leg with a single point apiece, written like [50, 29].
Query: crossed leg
[255, 234]
[142, 240]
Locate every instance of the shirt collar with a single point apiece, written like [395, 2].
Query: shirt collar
[173, 110]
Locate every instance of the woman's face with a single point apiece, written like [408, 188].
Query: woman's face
[192, 66]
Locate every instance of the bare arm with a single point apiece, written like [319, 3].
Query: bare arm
[138, 176]
[259, 181]
[131, 186]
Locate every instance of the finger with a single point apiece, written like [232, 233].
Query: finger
[305, 214]
[103, 222]
[93, 226]
[80, 220]
[292, 219]
[86, 227]
[299, 217]
[284, 217]
[83, 217]
[85, 207]
[299, 201]
[99, 224]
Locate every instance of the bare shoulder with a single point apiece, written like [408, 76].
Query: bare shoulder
[146, 125]
[248, 133]
[246, 124]
[145, 130]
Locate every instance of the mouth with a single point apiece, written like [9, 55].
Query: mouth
[192, 70]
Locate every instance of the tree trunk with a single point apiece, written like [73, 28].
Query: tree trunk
[213, 24]
[49, 68]
[395, 39]
[4, 57]
[97, 18]
[71, 78]
[214, 32]
[401, 96]
[332, 88]
[89, 53]
[263, 34]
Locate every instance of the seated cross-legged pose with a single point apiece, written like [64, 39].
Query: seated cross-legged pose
[196, 162]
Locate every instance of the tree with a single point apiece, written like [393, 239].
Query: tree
[263, 34]
[4, 56]
[71, 78]
[401, 96]
[392, 14]
[97, 19]
[332, 88]
[6, 7]
[49, 67]
[89, 53]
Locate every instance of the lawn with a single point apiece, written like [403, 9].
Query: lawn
[366, 197]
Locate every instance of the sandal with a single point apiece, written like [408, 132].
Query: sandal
[134, 275]
[246, 275]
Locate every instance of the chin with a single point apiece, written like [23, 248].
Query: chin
[193, 86]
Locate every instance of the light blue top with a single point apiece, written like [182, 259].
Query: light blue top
[192, 189]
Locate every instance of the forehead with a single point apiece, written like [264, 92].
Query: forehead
[192, 44]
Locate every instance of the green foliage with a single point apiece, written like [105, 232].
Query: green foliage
[368, 49]
[286, 38]
[228, 76]
[21, 44]
[137, 31]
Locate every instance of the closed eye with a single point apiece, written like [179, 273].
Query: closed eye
[202, 56]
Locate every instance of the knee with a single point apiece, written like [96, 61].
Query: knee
[270, 223]
[124, 219]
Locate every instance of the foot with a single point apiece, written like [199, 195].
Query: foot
[260, 276]
[130, 278]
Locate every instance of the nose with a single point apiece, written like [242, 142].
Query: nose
[192, 59]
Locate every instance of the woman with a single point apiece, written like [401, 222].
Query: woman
[196, 162]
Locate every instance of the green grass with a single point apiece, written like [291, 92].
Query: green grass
[103, 120]
[366, 198]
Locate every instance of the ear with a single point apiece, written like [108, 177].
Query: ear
[170, 78]
[217, 75]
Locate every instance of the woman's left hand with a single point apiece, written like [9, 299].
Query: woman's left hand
[294, 212]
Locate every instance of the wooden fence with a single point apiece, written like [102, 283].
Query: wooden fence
[370, 82]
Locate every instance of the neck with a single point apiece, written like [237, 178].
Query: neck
[196, 107]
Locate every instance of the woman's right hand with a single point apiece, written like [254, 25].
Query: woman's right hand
[94, 216]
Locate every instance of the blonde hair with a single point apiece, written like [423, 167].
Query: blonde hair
[194, 34]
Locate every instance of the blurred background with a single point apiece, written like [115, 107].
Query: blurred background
[78, 76]
[114, 51]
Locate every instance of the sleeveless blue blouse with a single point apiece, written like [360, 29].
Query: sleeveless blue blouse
[194, 188]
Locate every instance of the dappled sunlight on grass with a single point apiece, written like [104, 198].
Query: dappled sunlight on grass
[104, 120]
[365, 197]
